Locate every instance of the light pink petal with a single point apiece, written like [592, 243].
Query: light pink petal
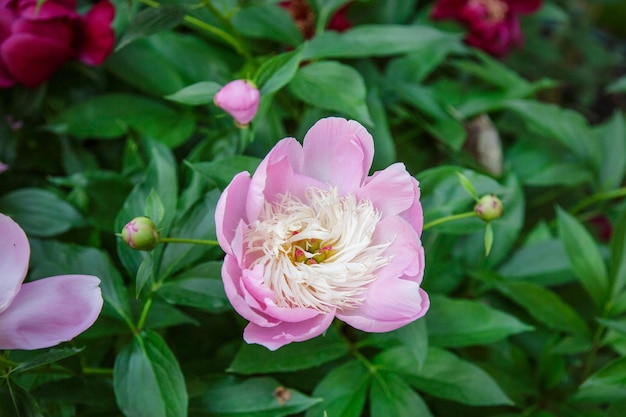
[14, 255]
[405, 251]
[389, 306]
[50, 311]
[414, 214]
[231, 209]
[392, 190]
[338, 152]
[96, 36]
[284, 333]
[240, 99]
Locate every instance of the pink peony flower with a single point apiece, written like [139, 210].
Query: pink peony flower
[493, 24]
[45, 312]
[3, 167]
[240, 99]
[36, 40]
[311, 237]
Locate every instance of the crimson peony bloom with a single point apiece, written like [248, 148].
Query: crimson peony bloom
[240, 99]
[45, 312]
[493, 25]
[311, 237]
[35, 40]
[302, 13]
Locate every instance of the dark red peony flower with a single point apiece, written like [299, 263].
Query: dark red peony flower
[303, 15]
[493, 25]
[36, 41]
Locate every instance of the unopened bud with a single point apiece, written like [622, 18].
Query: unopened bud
[141, 233]
[240, 99]
[489, 208]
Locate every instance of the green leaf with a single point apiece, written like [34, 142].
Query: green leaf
[268, 21]
[145, 273]
[376, 40]
[565, 126]
[110, 116]
[612, 137]
[45, 358]
[391, 396]
[584, 257]
[468, 186]
[154, 207]
[455, 323]
[277, 71]
[608, 384]
[617, 86]
[488, 238]
[40, 212]
[530, 263]
[324, 10]
[196, 94]
[334, 86]
[150, 21]
[444, 375]
[223, 170]
[545, 306]
[254, 397]
[618, 257]
[15, 401]
[147, 379]
[256, 359]
[202, 293]
[343, 391]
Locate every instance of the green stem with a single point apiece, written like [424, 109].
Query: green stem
[185, 240]
[596, 198]
[449, 219]
[98, 371]
[144, 314]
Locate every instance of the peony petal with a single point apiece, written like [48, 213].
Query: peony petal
[231, 209]
[447, 9]
[14, 255]
[524, 6]
[414, 214]
[50, 311]
[96, 35]
[392, 190]
[47, 10]
[338, 152]
[389, 306]
[240, 99]
[284, 333]
[32, 59]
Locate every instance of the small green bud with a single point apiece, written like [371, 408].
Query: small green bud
[489, 208]
[141, 233]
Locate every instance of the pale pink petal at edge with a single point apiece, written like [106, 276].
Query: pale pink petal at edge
[338, 152]
[14, 255]
[391, 190]
[277, 336]
[231, 210]
[50, 311]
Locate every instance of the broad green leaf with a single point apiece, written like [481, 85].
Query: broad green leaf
[565, 126]
[376, 40]
[334, 86]
[444, 375]
[163, 315]
[110, 116]
[268, 21]
[384, 144]
[196, 94]
[254, 397]
[154, 207]
[618, 257]
[391, 396]
[256, 359]
[343, 391]
[584, 257]
[617, 86]
[456, 323]
[277, 71]
[147, 379]
[202, 293]
[544, 305]
[223, 170]
[40, 212]
[15, 401]
[414, 336]
[530, 263]
[612, 137]
[150, 21]
[415, 66]
[566, 173]
[608, 384]
[45, 358]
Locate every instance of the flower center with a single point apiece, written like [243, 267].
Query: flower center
[495, 10]
[317, 253]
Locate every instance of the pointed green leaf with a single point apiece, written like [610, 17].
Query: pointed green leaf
[618, 257]
[612, 137]
[15, 401]
[145, 273]
[488, 238]
[608, 384]
[196, 94]
[584, 257]
[45, 358]
[154, 207]
[468, 186]
[150, 21]
[147, 379]
[391, 396]
[277, 71]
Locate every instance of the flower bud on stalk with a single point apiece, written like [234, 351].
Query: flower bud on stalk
[488, 208]
[141, 233]
[240, 99]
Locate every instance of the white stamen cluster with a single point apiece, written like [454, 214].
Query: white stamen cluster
[317, 253]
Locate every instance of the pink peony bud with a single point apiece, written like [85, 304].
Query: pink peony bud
[240, 99]
[489, 208]
[141, 233]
